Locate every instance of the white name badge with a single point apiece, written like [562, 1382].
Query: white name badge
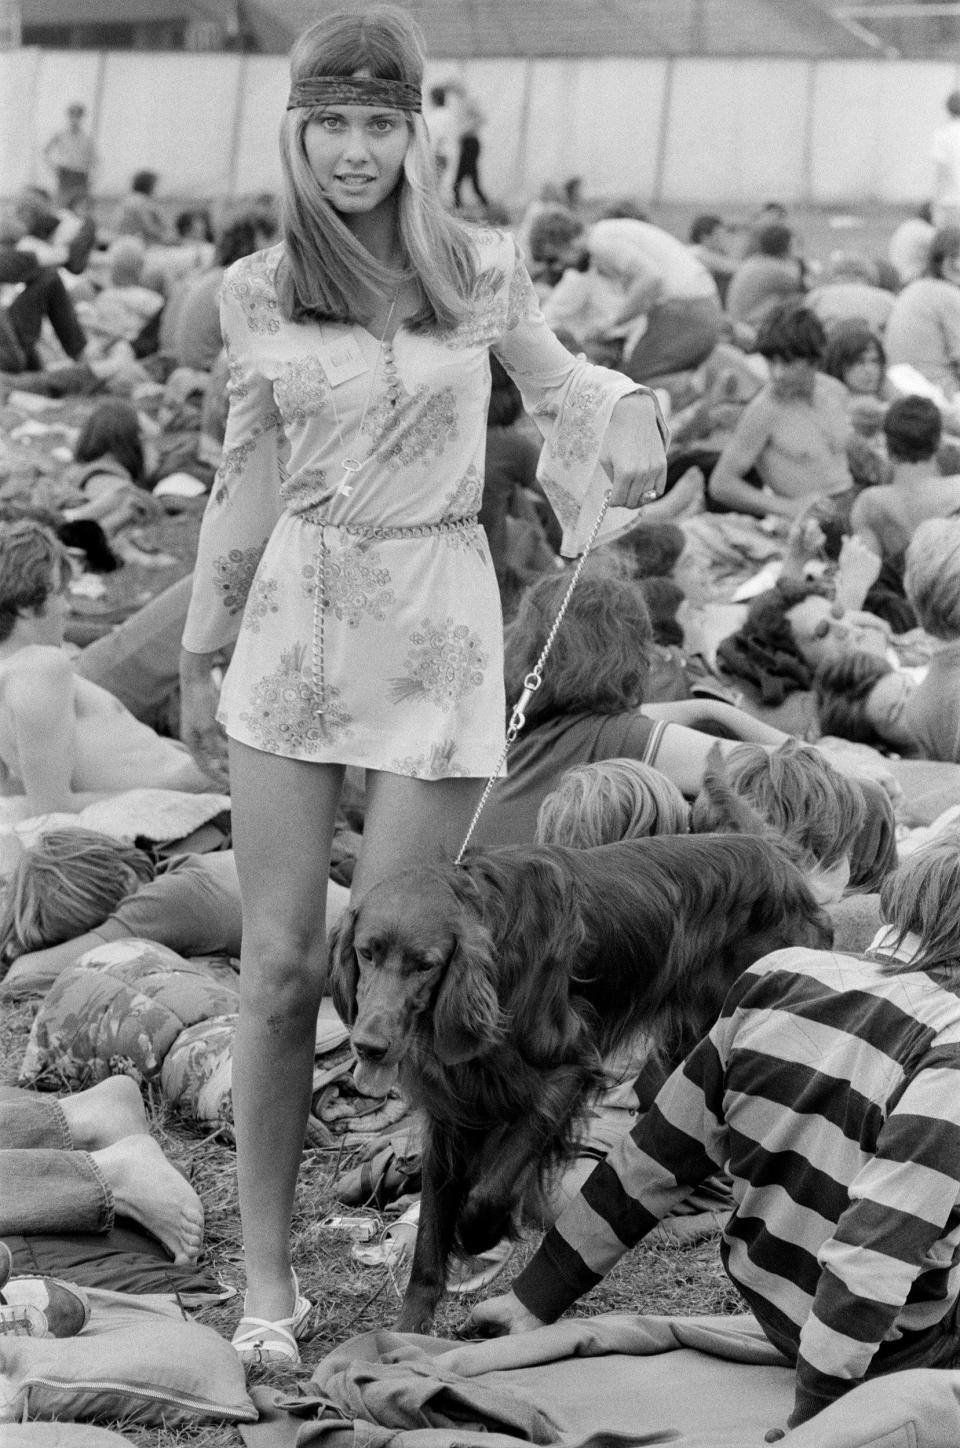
[342, 359]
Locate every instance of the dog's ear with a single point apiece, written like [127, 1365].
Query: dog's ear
[342, 970]
[466, 1014]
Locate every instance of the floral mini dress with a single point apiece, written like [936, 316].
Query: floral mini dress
[362, 600]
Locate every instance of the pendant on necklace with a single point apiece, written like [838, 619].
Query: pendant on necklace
[351, 466]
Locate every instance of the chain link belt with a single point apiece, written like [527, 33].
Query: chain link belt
[363, 532]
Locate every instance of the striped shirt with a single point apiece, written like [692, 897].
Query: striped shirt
[829, 1090]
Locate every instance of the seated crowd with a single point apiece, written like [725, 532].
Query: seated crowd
[814, 472]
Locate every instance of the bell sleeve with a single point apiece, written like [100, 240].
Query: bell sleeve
[571, 401]
[244, 503]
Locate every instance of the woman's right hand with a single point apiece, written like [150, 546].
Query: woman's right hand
[199, 729]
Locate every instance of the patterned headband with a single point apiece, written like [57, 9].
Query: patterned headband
[343, 90]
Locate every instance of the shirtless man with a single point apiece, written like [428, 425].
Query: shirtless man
[64, 742]
[884, 519]
[794, 433]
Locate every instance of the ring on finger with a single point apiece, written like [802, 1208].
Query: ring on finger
[649, 495]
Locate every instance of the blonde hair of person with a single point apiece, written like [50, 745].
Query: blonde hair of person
[931, 578]
[922, 897]
[69, 882]
[611, 799]
[327, 275]
[793, 790]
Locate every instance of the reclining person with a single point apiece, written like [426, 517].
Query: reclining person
[76, 889]
[827, 1089]
[64, 742]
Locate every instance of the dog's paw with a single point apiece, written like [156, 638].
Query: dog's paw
[484, 1221]
[414, 1320]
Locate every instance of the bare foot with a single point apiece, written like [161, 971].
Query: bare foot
[685, 498]
[691, 493]
[107, 1112]
[148, 1188]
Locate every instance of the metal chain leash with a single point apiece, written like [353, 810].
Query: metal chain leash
[534, 679]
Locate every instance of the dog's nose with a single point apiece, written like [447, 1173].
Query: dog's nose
[368, 1048]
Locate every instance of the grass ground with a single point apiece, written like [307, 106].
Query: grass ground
[349, 1299]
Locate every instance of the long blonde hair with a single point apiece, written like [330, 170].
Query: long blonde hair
[69, 882]
[326, 273]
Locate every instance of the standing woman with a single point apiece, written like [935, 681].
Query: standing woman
[341, 550]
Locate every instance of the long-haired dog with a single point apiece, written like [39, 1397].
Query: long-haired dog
[496, 988]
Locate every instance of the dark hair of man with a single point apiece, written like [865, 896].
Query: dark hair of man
[702, 227]
[793, 333]
[774, 239]
[912, 427]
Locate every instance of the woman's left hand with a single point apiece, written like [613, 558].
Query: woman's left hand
[633, 454]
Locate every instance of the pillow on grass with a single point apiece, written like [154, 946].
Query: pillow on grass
[117, 1012]
[138, 1359]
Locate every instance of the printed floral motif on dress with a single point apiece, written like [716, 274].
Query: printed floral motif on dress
[433, 424]
[234, 573]
[522, 303]
[484, 323]
[237, 385]
[304, 489]
[576, 438]
[235, 458]
[444, 664]
[283, 716]
[465, 496]
[436, 763]
[565, 504]
[261, 601]
[252, 287]
[357, 584]
[301, 389]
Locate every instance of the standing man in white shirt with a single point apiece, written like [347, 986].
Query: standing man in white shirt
[72, 156]
[945, 151]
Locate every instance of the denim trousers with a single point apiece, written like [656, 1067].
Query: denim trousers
[45, 1185]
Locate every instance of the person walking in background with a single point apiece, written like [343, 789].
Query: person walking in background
[945, 154]
[469, 121]
[439, 119]
[72, 157]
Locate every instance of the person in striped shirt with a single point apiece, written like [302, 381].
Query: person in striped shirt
[829, 1090]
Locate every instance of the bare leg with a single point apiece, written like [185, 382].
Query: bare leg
[411, 822]
[283, 815]
[148, 1188]
[104, 1114]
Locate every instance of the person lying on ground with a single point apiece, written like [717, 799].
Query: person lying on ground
[64, 742]
[590, 704]
[75, 1163]
[843, 1238]
[792, 437]
[77, 889]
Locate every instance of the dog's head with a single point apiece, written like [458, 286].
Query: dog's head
[413, 960]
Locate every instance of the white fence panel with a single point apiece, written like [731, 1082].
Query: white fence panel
[687, 130]
[736, 131]
[173, 114]
[263, 83]
[18, 110]
[872, 124]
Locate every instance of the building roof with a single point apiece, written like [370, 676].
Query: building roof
[473, 29]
